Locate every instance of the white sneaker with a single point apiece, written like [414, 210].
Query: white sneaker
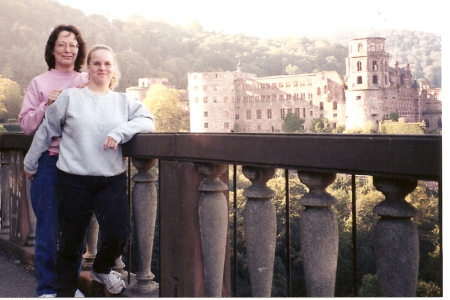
[47, 296]
[113, 281]
[79, 294]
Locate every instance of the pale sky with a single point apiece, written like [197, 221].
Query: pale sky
[280, 17]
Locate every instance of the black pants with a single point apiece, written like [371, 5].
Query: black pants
[80, 196]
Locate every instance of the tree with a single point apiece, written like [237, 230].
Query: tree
[165, 106]
[10, 99]
[292, 123]
[320, 125]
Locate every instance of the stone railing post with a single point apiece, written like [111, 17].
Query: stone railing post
[319, 234]
[260, 229]
[213, 221]
[144, 204]
[396, 239]
[5, 201]
[31, 238]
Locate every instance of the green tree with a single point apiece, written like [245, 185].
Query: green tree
[292, 123]
[165, 106]
[10, 99]
[320, 125]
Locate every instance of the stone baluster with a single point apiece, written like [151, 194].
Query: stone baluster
[5, 201]
[396, 241]
[260, 229]
[213, 221]
[319, 235]
[91, 243]
[144, 205]
[31, 238]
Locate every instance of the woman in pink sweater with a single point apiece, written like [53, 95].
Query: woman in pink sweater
[65, 54]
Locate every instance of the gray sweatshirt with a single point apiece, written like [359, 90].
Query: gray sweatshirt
[84, 120]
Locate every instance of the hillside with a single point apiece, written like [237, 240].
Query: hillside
[147, 48]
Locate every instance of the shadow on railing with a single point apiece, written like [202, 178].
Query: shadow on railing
[192, 189]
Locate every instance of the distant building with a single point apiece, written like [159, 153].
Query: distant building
[371, 92]
[374, 91]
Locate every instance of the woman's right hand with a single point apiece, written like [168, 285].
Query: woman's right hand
[52, 96]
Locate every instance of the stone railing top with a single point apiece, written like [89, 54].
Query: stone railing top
[416, 156]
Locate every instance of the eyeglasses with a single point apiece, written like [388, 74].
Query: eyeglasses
[63, 46]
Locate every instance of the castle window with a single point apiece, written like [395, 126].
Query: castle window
[304, 112]
[334, 115]
[297, 112]
[374, 65]
[288, 96]
[215, 99]
[359, 66]
[195, 100]
[295, 96]
[258, 114]
[269, 114]
[310, 102]
[302, 96]
[216, 87]
[372, 47]
[360, 47]
[205, 125]
[295, 83]
[274, 85]
[205, 99]
[358, 97]
[310, 95]
[321, 106]
[225, 113]
[334, 105]
[238, 99]
[375, 79]
[226, 125]
[311, 113]
[205, 114]
[282, 112]
[225, 99]
[359, 80]
[205, 87]
[249, 114]
[280, 84]
[318, 91]
[237, 117]
[288, 84]
[195, 88]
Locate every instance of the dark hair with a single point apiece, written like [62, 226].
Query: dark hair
[50, 46]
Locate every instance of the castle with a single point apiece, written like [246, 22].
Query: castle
[369, 93]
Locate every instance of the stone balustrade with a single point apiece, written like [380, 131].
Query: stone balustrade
[191, 189]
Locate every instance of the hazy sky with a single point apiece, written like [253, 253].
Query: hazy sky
[279, 17]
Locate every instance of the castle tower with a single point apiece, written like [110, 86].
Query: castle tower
[367, 70]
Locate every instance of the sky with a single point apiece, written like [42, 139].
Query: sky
[279, 18]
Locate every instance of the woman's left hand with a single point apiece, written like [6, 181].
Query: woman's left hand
[110, 143]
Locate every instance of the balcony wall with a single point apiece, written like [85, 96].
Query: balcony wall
[192, 190]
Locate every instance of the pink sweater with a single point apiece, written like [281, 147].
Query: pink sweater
[33, 107]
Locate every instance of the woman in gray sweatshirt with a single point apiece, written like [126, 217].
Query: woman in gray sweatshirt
[93, 122]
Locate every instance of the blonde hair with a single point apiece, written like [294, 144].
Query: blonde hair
[116, 75]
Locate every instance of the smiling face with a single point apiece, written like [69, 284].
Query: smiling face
[65, 51]
[101, 67]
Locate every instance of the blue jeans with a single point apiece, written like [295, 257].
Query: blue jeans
[78, 197]
[43, 200]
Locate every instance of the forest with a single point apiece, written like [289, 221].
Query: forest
[147, 48]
